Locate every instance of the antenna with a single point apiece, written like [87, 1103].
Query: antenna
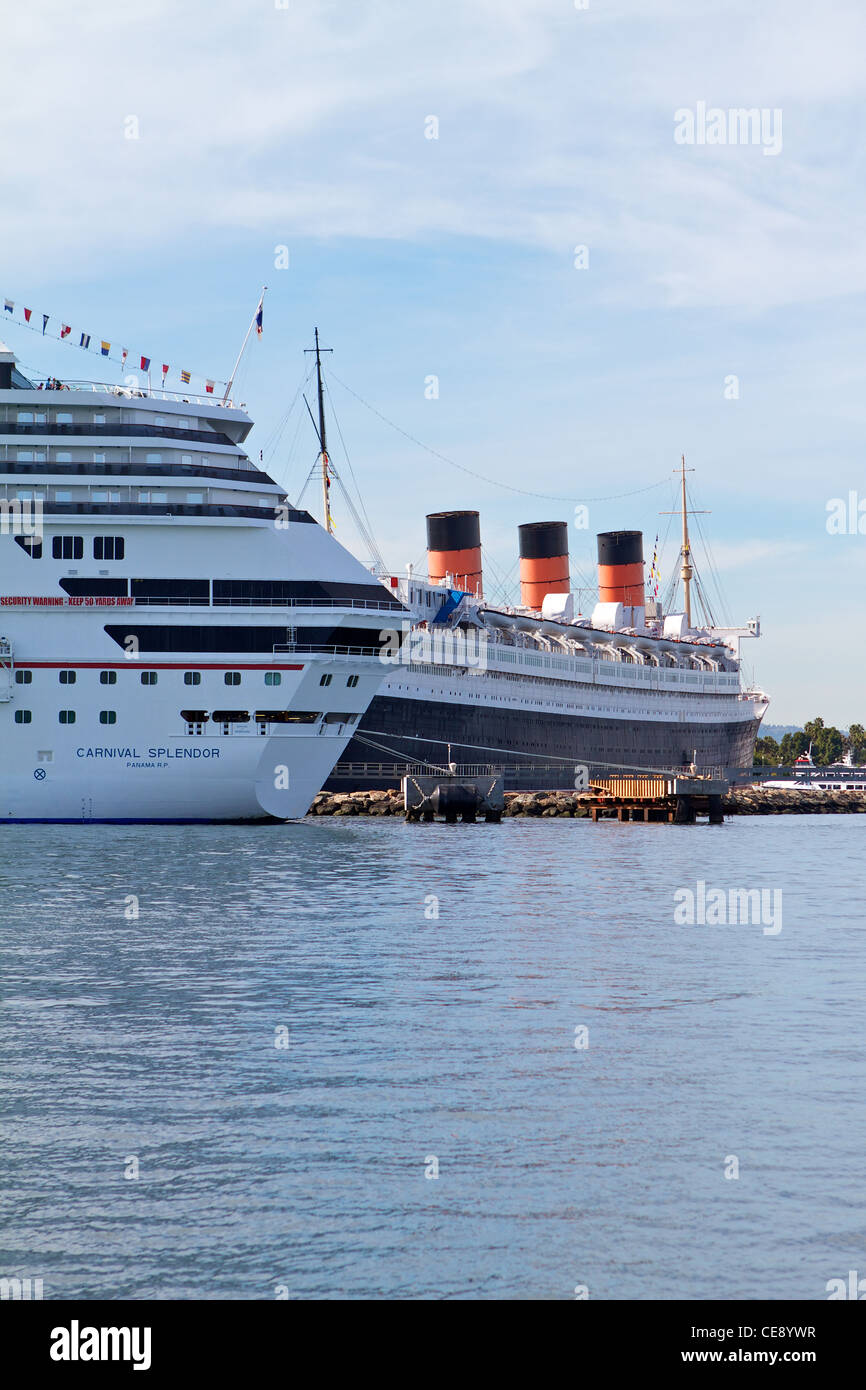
[323, 440]
[686, 572]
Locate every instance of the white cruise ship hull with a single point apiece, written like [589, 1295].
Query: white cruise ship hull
[177, 642]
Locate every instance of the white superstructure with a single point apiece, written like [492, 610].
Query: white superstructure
[176, 642]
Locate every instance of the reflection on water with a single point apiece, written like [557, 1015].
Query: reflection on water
[275, 1024]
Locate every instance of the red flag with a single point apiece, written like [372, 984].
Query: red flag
[65, 330]
[27, 313]
[208, 386]
[145, 364]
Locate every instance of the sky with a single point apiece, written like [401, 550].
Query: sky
[431, 171]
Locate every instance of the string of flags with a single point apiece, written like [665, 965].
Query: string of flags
[121, 355]
[654, 574]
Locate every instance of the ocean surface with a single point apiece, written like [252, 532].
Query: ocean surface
[286, 1043]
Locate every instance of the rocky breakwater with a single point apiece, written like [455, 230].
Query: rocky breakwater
[741, 801]
[388, 803]
[775, 801]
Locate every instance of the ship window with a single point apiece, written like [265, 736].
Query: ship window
[23, 716]
[101, 495]
[100, 587]
[153, 458]
[232, 677]
[231, 716]
[31, 455]
[61, 496]
[187, 459]
[171, 590]
[159, 420]
[98, 419]
[188, 638]
[149, 677]
[23, 677]
[98, 458]
[333, 717]
[63, 417]
[28, 495]
[63, 457]
[287, 716]
[195, 497]
[192, 677]
[351, 681]
[181, 423]
[325, 680]
[67, 547]
[66, 716]
[273, 677]
[30, 545]
[66, 677]
[194, 716]
[108, 716]
[108, 678]
[108, 547]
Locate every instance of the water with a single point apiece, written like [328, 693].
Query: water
[301, 1170]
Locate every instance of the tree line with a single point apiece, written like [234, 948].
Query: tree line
[829, 745]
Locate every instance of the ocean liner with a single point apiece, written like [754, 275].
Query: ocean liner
[177, 643]
[552, 697]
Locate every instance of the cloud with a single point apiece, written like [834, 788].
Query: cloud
[556, 127]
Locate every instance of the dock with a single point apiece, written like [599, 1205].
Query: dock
[679, 800]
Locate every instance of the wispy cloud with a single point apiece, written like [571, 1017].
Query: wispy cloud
[555, 128]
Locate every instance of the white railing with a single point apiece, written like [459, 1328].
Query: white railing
[156, 393]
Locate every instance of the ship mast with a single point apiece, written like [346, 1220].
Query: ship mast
[323, 440]
[686, 571]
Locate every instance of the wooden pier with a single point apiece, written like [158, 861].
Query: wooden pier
[678, 800]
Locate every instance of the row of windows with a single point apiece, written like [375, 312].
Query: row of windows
[65, 456]
[65, 417]
[25, 677]
[66, 716]
[219, 716]
[72, 548]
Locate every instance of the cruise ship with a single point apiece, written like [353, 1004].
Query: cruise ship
[177, 642]
[552, 696]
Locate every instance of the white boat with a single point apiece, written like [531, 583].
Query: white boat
[177, 643]
[844, 776]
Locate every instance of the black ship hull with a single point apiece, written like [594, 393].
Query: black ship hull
[395, 730]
